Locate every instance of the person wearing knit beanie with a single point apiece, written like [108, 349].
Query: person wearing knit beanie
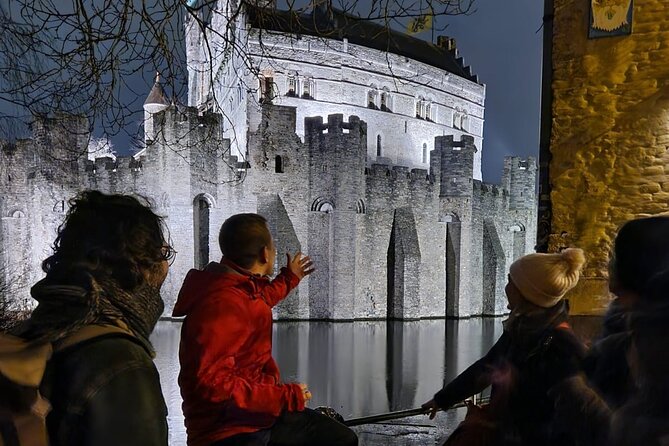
[537, 351]
[544, 279]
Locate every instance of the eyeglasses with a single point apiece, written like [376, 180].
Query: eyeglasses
[168, 253]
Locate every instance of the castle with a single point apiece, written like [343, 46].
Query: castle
[378, 182]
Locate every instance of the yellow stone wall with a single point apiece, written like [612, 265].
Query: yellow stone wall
[610, 135]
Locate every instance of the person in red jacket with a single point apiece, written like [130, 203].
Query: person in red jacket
[230, 384]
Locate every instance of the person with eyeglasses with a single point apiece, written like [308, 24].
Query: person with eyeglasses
[98, 304]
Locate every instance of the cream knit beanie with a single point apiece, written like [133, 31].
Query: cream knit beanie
[544, 279]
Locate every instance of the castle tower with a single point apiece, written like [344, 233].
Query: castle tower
[452, 163]
[156, 102]
[456, 165]
[336, 178]
[519, 179]
[195, 57]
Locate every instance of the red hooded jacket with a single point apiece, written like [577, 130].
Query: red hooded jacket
[229, 381]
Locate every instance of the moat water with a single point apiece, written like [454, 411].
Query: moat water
[357, 368]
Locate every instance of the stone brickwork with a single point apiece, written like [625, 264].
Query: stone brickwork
[339, 77]
[609, 135]
[387, 240]
[368, 161]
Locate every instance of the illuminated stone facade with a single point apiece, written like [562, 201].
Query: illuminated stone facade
[610, 134]
[406, 230]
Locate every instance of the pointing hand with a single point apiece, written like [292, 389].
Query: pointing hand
[300, 265]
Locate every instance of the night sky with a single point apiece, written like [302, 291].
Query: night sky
[501, 43]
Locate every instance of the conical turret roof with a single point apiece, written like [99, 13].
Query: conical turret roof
[156, 101]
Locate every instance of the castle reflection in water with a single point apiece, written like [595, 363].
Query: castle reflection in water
[357, 368]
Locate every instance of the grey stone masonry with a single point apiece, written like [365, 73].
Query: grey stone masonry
[388, 241]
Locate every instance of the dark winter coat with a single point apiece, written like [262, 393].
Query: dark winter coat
[644, 418]
[105, 391]
[607, 369]
[532, 356]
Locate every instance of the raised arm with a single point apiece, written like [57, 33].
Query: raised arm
[470, 382]
[296, 269]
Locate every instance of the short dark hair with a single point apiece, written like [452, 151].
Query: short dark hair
[242, 237]
[109, 236]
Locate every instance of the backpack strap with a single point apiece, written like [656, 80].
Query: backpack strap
[23, 364]
[89, 332]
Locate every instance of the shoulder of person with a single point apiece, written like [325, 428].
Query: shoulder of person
[81, 370]
[103, 356]
[562, 340]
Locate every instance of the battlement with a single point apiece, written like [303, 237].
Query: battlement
[177, 122]
[108, 164]
[448, 143]
[518, 163]
[453, 163]
[398, 172]
[492, 190]
[335, 125]
[520, 178]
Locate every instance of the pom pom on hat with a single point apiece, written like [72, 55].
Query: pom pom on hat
[544, 279]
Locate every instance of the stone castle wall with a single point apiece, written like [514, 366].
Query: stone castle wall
[388, 241]
[609, 136]
[226, 78]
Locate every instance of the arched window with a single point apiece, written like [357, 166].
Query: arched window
[371, 99]
[266, 89]
[424, 152]
[201, 211]
[428, 111]
[292, 86]
[457, 120]
[385, 101]
[378, 145]
[360, 207]
[321, 204]
[308, 88]
[419, 108]
[278, 164]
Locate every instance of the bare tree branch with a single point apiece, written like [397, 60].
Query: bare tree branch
[97, 58]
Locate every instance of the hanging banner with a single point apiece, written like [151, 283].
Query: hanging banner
[610, 18]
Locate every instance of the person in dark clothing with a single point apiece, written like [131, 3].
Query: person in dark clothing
[110, 259]
[230, 384]
[640, 280]
[615, 318]
[536, 351]
[624, 397]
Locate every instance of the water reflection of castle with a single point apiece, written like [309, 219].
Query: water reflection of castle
[356, 368]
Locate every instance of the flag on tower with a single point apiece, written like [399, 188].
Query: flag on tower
[420, 24]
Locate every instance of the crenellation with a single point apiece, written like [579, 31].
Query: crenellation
[320, 196]
[378, 181]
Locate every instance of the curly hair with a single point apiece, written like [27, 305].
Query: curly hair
[109, 236]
